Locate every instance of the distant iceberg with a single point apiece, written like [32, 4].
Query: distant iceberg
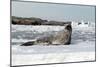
[83, 24]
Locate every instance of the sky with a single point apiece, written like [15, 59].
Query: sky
[50, 11]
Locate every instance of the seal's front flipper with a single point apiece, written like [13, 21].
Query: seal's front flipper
[30, 43]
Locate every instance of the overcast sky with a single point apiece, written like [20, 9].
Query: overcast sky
[58, 12]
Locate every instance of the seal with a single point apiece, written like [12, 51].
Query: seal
[60, 38]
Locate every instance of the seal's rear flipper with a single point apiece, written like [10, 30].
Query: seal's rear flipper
[30, 43]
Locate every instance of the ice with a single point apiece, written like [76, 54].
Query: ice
[82, 47]
[52, 58]
[38, 29]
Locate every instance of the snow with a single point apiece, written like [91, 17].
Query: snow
[52, 58]
[82, 47]
[35, 28]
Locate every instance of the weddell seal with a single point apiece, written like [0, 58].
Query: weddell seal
[62, 37]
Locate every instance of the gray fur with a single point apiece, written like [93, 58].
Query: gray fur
[62, 37]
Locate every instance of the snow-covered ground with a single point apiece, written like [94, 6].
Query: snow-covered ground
[82, 47]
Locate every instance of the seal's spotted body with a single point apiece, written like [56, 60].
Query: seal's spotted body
[62, 37]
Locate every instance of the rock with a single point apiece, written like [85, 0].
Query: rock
[56, 23]
[36, 21]
[27, 21]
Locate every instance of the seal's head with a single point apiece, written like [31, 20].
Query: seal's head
[68, 27]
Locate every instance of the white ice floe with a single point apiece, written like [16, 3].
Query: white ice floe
[22, 40]
[40, 28]
[52, 58]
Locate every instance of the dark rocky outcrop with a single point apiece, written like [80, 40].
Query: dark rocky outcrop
[27, 21]
[36, 21]
[56, 23]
